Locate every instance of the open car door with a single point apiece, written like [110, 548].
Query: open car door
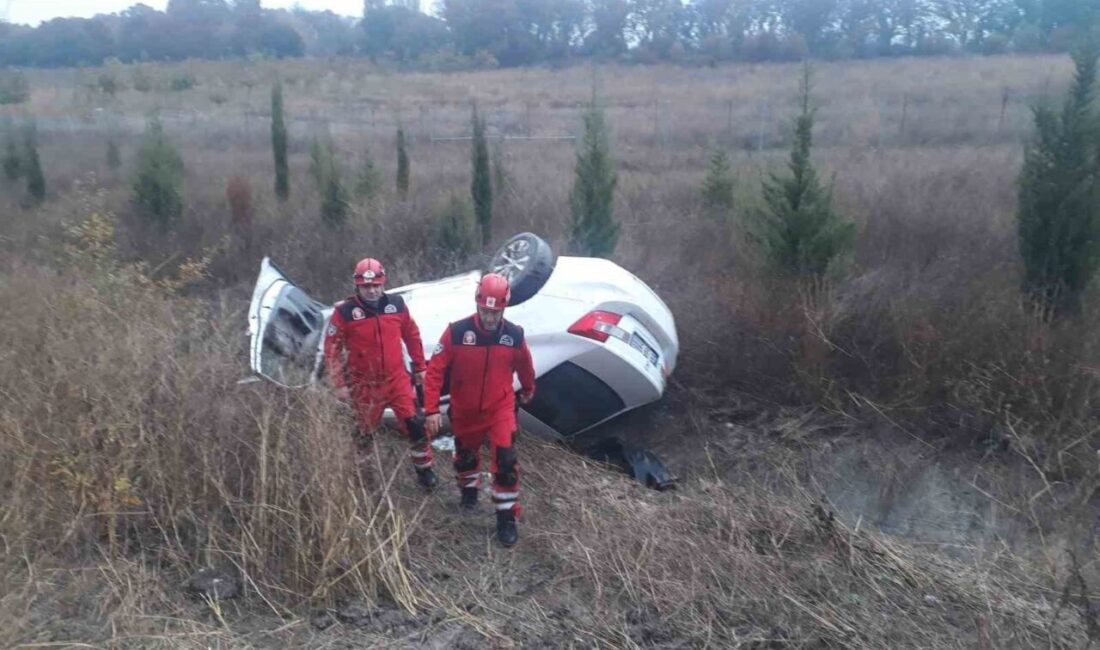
[285, 329]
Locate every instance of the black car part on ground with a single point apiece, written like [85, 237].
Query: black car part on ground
[527, 261]
[642, 464]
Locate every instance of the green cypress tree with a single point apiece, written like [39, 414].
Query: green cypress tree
[402, 165]
[114, 155]
[481, 188]
[1058, 216]
[279, 143]
[718, 184]
[334, 197]
[158, 179]
[14, 88]
[594, 230]
[319, 160]
[32, 165]
[369, 181]
[458, 228]
[13, 162]
[501, 177]
[800, 232]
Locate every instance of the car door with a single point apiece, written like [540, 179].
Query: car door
[286, 328]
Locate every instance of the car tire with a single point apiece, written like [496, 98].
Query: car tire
[527, 261]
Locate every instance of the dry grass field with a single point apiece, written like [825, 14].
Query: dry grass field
[130, 457]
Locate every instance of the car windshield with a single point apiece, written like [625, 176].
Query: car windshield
[570, 399]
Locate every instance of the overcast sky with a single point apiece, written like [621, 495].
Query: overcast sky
[32, 12]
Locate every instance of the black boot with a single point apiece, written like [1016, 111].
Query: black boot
[469, 498]
[506, 528]
[426, 477]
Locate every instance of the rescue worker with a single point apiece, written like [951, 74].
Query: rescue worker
[366, 365]
[479, 355]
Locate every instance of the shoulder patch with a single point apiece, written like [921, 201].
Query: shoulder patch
[345, 308]
[438, 349]
[390, 309]
[331, 331]
[469, 338]
[507, 340]
[358, 314]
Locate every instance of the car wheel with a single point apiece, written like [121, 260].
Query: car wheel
[527, 261]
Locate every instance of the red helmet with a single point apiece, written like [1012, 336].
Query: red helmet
[369, 271]
[493, 292]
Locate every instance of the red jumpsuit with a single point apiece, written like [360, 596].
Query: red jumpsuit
[478, 366]
[363, 352]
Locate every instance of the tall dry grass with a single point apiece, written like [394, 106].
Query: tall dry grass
[131, 457]
[125, 438]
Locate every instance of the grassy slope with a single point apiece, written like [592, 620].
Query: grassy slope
[132, 459]
[129, 456]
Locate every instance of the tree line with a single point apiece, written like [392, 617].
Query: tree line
[488, 33]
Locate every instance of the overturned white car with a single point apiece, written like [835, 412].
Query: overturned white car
[603, 342]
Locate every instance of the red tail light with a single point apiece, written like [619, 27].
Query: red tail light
[599, 326]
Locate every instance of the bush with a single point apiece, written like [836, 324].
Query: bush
[799, 231]
[14, 88]
[718, 184]
[278, 143]
[319, 161]
[114, 155]
[13, 161]
[32, 166]
[402, 165]
[108, 84]
[458, 228]
[324, 167]
[501, 176]
[238, 192]
[481, 188]
[142, 82]
[1059, 197]
[158, 180]
[334, 200]
[594, 230]
[183, 81]
[369, 180]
